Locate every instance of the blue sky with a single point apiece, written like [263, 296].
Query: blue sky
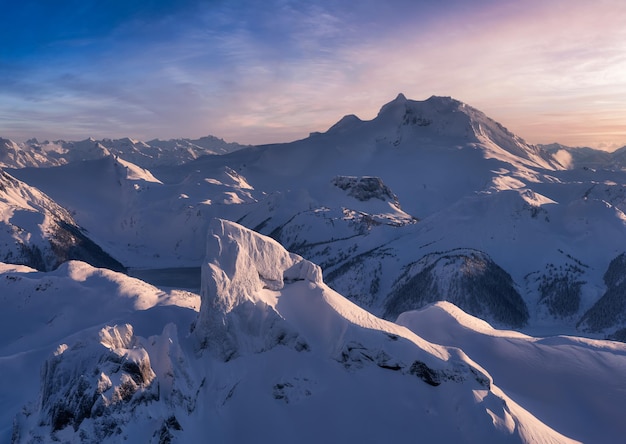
[259, 72]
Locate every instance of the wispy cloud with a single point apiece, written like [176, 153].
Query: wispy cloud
[274, 73]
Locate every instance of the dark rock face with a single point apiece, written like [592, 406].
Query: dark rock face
[65, 242]
[425, 373]
[101, 386]
[355, 356]
[366, 188]
[609, 312]
[164, 434]
[469, 279]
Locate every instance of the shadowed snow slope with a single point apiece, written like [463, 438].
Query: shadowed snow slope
[38, 232]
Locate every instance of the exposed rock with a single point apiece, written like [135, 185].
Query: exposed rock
[366, 188]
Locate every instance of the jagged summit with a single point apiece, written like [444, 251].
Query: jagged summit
[434, 103]
[240, 264]
[400, 99]
[440, 103]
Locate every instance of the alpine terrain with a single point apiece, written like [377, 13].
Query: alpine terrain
[424, 276]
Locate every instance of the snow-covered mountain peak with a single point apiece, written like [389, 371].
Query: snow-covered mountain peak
[431, 106]
[445, 120]
[132, 142]
[6, 142]
[33, 153]
[240, 263]
[346, 123]
[240, 275]
[400, 98]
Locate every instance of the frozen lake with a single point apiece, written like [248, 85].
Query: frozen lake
[188, 277]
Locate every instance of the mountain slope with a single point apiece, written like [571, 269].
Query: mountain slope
[36, 231]
[466, 278]
[609, 311]
[276, 356]
[569, 383]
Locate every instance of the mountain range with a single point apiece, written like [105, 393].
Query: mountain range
[33, 153]
[430, 222]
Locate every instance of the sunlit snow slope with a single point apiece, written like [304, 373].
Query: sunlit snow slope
[572, 384]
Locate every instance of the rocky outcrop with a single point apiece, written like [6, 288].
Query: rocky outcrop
[95, 381]
[366, 188]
